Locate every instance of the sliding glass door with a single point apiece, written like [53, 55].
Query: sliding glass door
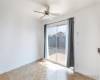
[57, 42]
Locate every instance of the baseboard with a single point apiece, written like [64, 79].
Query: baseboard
[85, 76]
[21, 66]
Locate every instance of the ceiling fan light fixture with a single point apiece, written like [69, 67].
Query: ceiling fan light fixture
[46, 12]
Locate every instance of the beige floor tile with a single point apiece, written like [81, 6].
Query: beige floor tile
[42, 71]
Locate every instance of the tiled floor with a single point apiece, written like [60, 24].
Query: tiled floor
[42, 71]
[58, 57]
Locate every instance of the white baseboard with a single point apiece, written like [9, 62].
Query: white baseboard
[18, 66]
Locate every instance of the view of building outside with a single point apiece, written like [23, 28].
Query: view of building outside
[57, 41]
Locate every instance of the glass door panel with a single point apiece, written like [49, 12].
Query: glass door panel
[51, 43]
[57, 43]
[62, 44]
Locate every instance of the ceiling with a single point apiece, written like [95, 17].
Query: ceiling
[61, 7]
[65, 6]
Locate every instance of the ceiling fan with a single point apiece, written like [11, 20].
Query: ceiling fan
[47, 12]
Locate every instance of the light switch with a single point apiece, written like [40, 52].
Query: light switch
[99, 50]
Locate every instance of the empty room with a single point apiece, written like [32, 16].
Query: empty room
[49, 39]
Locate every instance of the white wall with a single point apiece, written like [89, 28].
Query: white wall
[98, 56]
[20, 35]
[87, 39]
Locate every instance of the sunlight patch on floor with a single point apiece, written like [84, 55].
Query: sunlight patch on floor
[55, 67]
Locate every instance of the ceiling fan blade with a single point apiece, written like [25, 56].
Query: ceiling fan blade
[39, 2]
[55, 14]
[39, 12]
[42, 2]
[48, 8]
[42, 17]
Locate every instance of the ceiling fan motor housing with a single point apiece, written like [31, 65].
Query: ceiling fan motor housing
[47, 12]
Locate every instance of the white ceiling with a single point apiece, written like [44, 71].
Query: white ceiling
[56, 6]
[65, 6]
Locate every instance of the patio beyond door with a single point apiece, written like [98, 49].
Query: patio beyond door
[57, 43]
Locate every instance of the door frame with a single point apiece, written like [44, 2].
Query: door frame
[70, 42]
